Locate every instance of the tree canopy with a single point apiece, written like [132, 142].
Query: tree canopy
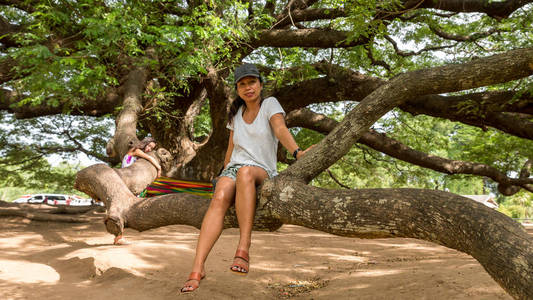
[78, 57]
[430, 94]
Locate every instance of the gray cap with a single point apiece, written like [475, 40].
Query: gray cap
[246, 70]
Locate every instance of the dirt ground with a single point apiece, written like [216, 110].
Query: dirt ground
[40, 260]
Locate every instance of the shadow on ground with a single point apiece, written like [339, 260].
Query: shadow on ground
[40, 260]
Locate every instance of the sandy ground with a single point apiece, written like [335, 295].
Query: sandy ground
[40, 260]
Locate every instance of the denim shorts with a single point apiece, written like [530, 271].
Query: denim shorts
[231, 172]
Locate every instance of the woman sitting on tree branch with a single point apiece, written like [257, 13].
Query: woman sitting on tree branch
[256, 125]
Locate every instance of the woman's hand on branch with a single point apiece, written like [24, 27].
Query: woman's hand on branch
[303, 152]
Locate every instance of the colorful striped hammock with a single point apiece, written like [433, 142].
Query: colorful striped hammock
[165, 185]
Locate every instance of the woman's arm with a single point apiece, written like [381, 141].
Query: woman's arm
[140, 153]
[284, 136]
[227, 158]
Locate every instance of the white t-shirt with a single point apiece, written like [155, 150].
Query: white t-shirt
[255, 144]
[128, 160]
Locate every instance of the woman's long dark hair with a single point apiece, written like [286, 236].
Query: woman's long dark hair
[235, 105]
[142, 144]
[238, 102]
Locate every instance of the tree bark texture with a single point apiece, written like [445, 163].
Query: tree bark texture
[126, 121]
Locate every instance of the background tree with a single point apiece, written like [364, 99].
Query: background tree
[452, 81]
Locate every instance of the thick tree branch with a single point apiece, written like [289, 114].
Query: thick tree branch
[220, 96]
[500, 68]
[88, 107]
[209, 158]
[310, 38]
[310, 14]
[478, 103]
[27, 6]
[340, 84]
[126, 121]
[476, 109]
[500, 244]
[495, 9]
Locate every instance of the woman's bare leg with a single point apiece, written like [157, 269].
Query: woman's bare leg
[248, 178]
[212, 224]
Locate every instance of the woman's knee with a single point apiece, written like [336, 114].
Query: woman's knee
[250, 174]
[220, 202]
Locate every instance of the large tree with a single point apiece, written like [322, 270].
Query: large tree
[164, 68]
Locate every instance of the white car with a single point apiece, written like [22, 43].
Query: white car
[39, 198]
[22, 199]
[56, 199]
[50, 199]
[78, 201]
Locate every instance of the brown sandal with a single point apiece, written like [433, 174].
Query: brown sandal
[240, 268]
[195, 277]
